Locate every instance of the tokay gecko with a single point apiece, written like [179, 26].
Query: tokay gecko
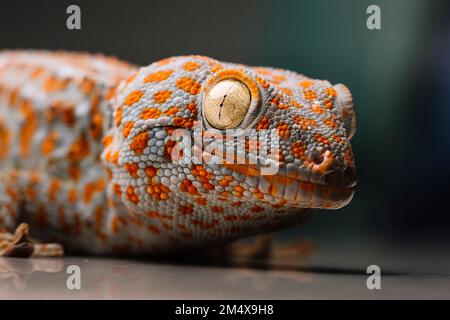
[99, 156]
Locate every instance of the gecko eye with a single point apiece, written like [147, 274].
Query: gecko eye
[226, 104]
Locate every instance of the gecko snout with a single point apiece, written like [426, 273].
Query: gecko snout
[341, 178]
[332, 172]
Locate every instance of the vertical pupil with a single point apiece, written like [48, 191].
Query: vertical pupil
[226, 104]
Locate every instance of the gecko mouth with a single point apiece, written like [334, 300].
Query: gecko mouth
[316, 185]
[296, 189]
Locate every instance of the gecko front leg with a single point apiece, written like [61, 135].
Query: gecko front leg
[18, 244]
[56, 212]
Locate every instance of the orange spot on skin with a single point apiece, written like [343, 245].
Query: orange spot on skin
[187, 186]
[91, 188]
[216, 209]
[117, 223]
[117, 190]
[153, 214]
[310, 95]
[158, 191]
[131, 195]
[53, 190]
[74, 171]
[139, 143]
[331, 92]
[13, 98]
[168, 148]
[258, 194]
[162, 96]
[188, 85]
[107, 140]
[110, 93]
[172, 111]
[191, 66]
[201, 201]
[238, 191]
[150, 113]
[278, 78]
[132, 169]
[133, 97]
[216, 68]
[263, 124]
[263, 71]
[187, 209]
[132, 77]
[158, 76]
[118, 116]
[256, 209]
[306, 84]
[192, 108]
[87, 85]
[127, 129]
[263, 83]
[48, 144]
[331, 123]
[53, 84]
[287, 91]
[203, 176]
[317, 109]
[298, 150]
[295, 103]
[5, 140]
[61, 111]
[304, 123]
[151, 171]
[183, 122]
[96, 127]
[31, 192]
[28, 128]
[284, 130]
[321, 139]
[79, 149]
[72, 195]
[36, 73]
[328, 103]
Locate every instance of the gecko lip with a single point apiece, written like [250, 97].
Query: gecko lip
[298, 188]
[301, 193]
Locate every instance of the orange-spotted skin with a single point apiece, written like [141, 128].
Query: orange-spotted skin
[87, 152]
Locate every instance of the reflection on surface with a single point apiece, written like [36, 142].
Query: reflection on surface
[332, 273]
[18, 270]
[110, 279]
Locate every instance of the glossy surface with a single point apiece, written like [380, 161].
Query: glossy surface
[406, 273]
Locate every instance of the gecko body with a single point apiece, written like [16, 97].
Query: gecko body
[105, 157]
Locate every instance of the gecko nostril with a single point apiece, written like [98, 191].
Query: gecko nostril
[318, 159]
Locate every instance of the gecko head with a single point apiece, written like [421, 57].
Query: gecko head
[215, 142]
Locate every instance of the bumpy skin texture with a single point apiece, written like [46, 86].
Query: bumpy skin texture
[87, 145]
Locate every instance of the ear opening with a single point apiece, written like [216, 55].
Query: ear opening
[344, 103]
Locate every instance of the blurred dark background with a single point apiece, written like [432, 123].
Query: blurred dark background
[399, 76]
